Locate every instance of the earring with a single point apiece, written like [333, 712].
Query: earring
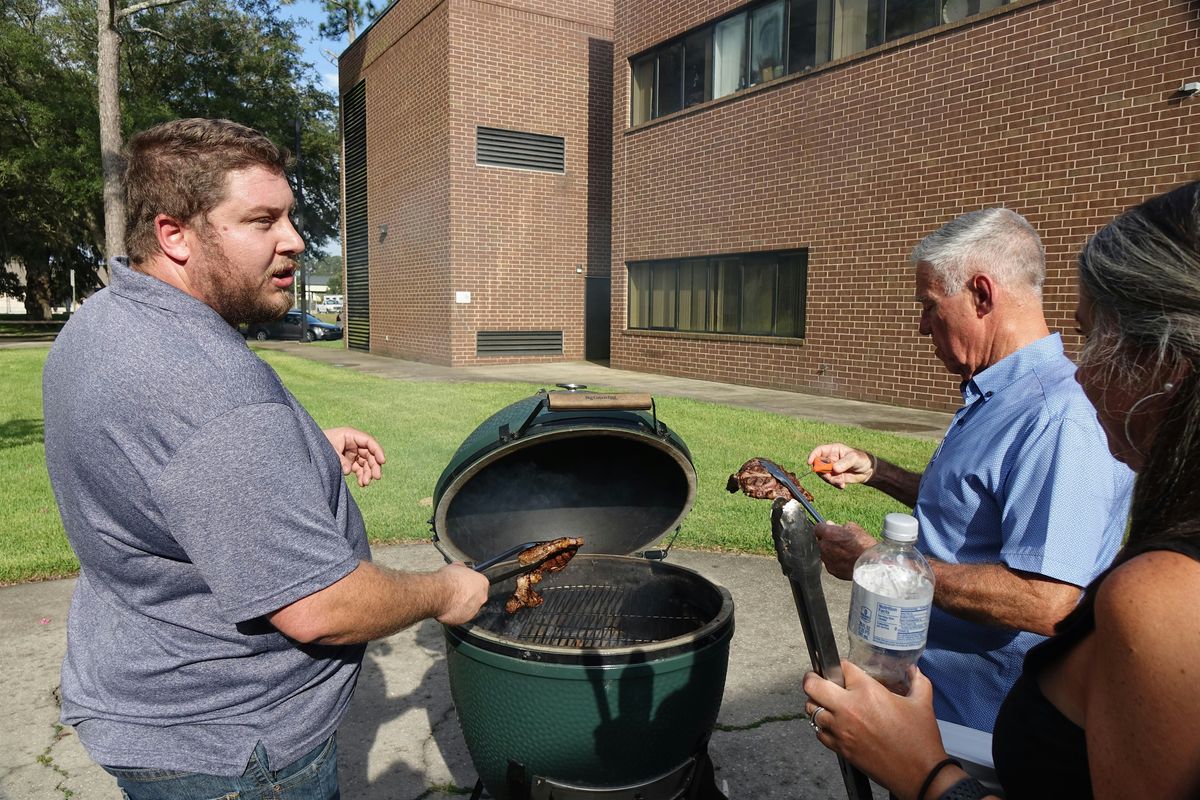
[1168, 386]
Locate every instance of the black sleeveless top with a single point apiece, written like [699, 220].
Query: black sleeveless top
[1037, 751]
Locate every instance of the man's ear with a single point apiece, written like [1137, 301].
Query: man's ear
[173, 238]
[983, 293]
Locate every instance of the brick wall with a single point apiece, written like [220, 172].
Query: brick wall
[519, 236]
[403, 60]
[1064, 110]
[512, 238]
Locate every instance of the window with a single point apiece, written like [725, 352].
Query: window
[698, 67]
[729, 56]
[808, 34]
[766, 44]
[905, 17]
[670, 80]
[766, 40]
[759, 294]
[641, 101]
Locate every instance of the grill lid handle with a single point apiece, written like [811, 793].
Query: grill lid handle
[580, 401]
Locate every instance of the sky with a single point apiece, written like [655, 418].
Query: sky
[309, 14]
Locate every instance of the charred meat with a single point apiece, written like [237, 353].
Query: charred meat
[545, 557]
[753, 480]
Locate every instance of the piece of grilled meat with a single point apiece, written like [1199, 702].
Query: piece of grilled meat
[548, 557]
[753, 480]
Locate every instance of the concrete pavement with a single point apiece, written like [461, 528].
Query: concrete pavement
[401, 737]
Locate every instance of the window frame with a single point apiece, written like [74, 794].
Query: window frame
[645, 275]
[827, 48]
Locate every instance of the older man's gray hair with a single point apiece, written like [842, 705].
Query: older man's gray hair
[994, 241]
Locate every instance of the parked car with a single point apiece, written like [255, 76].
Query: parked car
[331, 304]
[289, 328]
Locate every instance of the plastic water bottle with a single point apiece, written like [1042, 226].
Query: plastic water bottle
[890, 604]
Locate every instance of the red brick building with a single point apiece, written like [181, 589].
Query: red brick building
[477, 180]
[774, 163]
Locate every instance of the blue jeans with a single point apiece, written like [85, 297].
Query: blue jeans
[313, 776]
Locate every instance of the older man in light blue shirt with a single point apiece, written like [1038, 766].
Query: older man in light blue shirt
[1022, 504]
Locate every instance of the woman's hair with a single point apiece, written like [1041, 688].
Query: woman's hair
[178, 168]
[1141, 273]
[996, 241]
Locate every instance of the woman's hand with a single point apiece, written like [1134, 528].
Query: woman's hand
[359, 453]
[893, 739]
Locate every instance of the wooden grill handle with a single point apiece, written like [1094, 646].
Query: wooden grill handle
[572, 401]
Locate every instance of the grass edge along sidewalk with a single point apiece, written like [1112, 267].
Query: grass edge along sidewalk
[420, 424]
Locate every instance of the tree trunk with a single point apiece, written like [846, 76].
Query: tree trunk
[108, 66]
[37, 289]
[350, 22]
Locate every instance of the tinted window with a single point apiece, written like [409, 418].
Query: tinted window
[697, 67]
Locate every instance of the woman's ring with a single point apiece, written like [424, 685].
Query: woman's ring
[812, 718]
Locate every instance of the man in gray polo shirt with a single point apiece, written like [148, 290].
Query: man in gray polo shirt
[226, 587]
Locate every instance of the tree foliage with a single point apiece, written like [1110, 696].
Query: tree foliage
[345, 17]
[236, 59]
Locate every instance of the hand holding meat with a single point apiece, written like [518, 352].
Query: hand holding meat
[549, 556]
[753, 480]
[841, 545]
[849, 465]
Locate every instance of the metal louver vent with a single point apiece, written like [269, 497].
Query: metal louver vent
[517, 150]
[358, 285]
[518, 343]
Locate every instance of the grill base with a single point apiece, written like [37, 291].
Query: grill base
[674, 785]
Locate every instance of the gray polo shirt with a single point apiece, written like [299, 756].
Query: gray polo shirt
[199, 496]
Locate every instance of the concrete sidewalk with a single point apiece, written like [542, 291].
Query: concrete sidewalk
[401, 737]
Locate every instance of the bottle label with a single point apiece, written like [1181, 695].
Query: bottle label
[889, 622]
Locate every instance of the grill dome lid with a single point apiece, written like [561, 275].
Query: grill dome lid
[567, 463]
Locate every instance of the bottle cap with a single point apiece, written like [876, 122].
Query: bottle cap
[900, 527]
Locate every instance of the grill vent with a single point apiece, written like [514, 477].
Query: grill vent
[518, 343]
[358, 284]
[518, 150]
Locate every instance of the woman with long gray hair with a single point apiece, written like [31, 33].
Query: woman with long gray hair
[1109, 706]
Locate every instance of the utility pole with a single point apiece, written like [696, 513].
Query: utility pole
[302, 291]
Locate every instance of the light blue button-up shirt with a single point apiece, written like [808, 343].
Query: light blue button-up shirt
[1022, 478]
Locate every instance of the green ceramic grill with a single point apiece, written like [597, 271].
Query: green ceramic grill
[610, 688]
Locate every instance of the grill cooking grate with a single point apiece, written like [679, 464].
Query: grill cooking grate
[586, 615]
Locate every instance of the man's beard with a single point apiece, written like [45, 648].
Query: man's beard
[233, 293]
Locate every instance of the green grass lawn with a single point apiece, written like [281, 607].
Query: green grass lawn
[420, 425]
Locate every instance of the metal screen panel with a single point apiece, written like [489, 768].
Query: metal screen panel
[495, 147]
[518, 343]
[358, 286]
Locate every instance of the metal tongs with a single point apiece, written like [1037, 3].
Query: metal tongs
[505, 555]
[776, 472]
[800, 558]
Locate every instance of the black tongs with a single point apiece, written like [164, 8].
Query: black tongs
[505, 555]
